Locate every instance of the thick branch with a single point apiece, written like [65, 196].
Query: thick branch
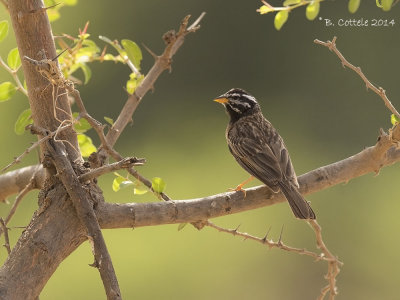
[33, 34]
[83, 203]
[146, 214]
[14, 181]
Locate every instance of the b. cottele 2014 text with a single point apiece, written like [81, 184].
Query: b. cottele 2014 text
[360, 22]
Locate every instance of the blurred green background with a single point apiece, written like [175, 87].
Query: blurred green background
[323, 112]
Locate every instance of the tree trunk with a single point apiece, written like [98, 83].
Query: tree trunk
[54, 231]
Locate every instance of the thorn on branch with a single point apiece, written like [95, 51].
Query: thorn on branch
[155, 56]
[266, 235]
[6, 239]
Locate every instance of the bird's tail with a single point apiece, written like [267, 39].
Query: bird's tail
[300, 207]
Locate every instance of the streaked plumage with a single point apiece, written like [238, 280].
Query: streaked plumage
[260, 150]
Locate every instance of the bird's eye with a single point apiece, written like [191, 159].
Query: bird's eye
[235, 97]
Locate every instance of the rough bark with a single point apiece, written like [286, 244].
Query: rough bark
[33, 34]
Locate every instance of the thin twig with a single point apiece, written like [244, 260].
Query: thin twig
[33, 146]
[331, 45]
[15, 76]
[6, 239]
[96, 125]
[30, 186]
[122, 164]
[5, 3]
[333, 263]
[161, 64]
[148, 184]
[326, 255]
[267, 242]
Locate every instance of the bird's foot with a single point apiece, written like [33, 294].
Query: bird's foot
[239, 188]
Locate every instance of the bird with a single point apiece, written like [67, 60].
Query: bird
[259, 149]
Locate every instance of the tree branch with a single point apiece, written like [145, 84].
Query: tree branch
[14, 181]
[331, 45]
[83, 203]
[372, 159]
[125, 163]
[173, 42]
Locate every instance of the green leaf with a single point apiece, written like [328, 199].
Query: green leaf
[354, 5]
[116, 185]
[23, 120]
[133, 52]
[70, 2]
[386, 4]
[312, 10]
[291, 2]
[394, 119]
[133, 82]
[53, 14]
[181, 226]
[109, 120]
[378, 4]
[3, 30]
[265, 9]
[7, 90]
[280, 19]
[137, 191]
[91, 46]
[13, 59]
[86, 145]
[82, 125]
[87, 72]
[158, 184]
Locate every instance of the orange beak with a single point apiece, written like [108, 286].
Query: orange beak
[221, 100]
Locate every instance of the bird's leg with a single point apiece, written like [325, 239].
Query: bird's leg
[240, 186]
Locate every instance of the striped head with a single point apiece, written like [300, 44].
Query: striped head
[238, 103]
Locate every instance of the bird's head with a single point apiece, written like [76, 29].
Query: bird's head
[238, 103]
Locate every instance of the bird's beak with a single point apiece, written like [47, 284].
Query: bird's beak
[221, 100]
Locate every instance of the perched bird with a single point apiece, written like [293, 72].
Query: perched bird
[260, 150]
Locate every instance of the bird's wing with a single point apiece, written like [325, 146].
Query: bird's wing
[257, 158]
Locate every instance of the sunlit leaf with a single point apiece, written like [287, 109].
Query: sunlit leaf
[86, 145]
[82, 125]
[265, 9]
[87, 72]
[91, 46]
[181, 226]
[116, 185]
[133, 52]
[13, 59]
[3, 30]
[394, 119]
[280, 19]
[290, 2]
[109, 120]
[7, 90]
[53, 14]
[354, 5]
[158, 184]
[312, 10]
[137, 191]
[386, 4]
[133, 82]
[109, 57]
[378, 4]
[70, 2]
[23, 120]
